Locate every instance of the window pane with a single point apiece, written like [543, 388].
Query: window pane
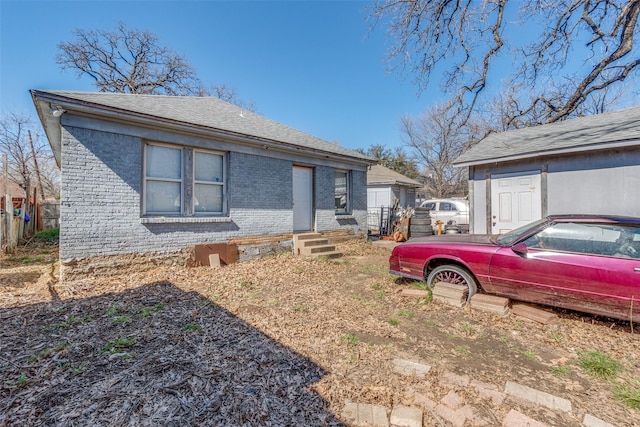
[163, 197]
[628, 245]
[208, 167]
[341, 182]
[207, 198]
[164, 162]
[341, 196]
[595, 239]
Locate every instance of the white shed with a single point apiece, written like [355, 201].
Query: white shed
[384, 186]
[588, 165]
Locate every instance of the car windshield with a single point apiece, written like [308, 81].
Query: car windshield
[508, 238]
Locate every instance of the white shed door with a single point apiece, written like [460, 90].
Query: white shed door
[302, 199]
[516, 200]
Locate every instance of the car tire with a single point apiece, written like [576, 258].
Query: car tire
[453, 274]
[420, 221]
[415, 235]
[421, 213]
[423, 230]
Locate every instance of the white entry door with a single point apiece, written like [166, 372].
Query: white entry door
[302, 199]
[516, 200]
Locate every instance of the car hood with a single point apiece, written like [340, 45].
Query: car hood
[478, 239]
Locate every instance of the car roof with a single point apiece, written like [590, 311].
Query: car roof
[446, 200]
[616, 219]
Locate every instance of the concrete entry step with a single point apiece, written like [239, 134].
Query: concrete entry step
[329, 254]
[314, 245]
[306, 236]
[313, 242]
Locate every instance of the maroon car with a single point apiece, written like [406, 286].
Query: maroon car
[581, 262]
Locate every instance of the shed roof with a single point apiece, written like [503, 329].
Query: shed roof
[607, 130]
[380, 175]
[204, 113]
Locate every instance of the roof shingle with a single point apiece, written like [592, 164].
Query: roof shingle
[583, 134]
[207, 112]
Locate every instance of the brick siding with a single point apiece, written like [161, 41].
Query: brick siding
[100, 212]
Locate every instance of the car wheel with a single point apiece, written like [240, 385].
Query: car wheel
[455, 275]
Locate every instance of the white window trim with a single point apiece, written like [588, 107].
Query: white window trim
[223, 183]
[347, 209]
[181, 217]
[145, 179]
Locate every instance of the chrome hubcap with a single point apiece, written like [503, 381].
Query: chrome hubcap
[450, 277]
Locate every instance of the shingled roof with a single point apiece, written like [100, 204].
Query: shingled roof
[380, 175]
[207, 113]
[602, 131]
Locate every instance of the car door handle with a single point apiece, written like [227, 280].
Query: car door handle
[637, 269]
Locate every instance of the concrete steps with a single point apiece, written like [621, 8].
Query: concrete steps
[314, 245]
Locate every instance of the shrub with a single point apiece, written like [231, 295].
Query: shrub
[50, 234]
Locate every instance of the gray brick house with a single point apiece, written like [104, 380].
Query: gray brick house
[155, 175]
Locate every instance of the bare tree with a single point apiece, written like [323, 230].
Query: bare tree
[438, 138]
[22, 143]
[581, 48]
[128, 61]
[230, 94]
[396, 160]
[134, 61]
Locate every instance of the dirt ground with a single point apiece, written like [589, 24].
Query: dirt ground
[282, 340]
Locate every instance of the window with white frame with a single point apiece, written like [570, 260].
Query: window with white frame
[163, 180]
[208, 183]
[183, 181]
[342, 192]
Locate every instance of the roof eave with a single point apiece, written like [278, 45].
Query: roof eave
[51, 125]
[523, 156]
[395, 182]
[43, 100]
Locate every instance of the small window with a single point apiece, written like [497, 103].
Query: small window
[431, 206]
[342, 192]
[166, 179]
[447, 206]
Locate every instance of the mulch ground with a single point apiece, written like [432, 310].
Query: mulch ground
[279, 341]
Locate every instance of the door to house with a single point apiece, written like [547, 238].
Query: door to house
[516, 200]
[302, 199]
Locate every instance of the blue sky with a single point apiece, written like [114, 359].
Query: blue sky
[312, 65]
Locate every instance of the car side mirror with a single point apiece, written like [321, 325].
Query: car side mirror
[521, 249]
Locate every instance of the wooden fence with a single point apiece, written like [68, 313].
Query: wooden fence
[13, 225]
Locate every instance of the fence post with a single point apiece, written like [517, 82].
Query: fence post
[8, 208]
